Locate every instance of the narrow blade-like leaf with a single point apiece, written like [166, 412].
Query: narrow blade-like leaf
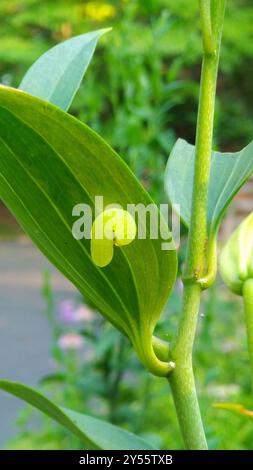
[57, 74]
[91, 431]
[237, 408]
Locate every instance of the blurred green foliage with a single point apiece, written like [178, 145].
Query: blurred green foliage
[105, 379]
[141, 91]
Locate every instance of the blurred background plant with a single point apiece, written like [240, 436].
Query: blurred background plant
[94, 370]
[140, 93]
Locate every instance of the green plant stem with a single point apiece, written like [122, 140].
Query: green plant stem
[248, 309]
[197, 244]
[207, 33]
[182, 378]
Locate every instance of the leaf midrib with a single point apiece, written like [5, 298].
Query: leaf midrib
[63, 220]
[74, 280]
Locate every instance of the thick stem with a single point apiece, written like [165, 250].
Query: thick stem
[207, 33]
[187, 408]
[198, 229]
[182, 379]
[248, 309]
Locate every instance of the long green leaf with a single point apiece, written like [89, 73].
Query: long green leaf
[89, 430]
[49, 162]
[229, 171]
[57, 74]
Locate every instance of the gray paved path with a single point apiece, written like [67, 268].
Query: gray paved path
[24, 333]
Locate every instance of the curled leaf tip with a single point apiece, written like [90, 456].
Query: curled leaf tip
[113, 227]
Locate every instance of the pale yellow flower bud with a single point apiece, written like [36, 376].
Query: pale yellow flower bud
[236, 262]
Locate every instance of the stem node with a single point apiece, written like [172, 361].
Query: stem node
[196, 277]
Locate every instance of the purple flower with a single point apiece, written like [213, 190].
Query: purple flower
[71, 313]
[67, 311]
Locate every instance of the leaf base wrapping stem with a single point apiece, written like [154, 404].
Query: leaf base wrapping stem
[182, 379]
